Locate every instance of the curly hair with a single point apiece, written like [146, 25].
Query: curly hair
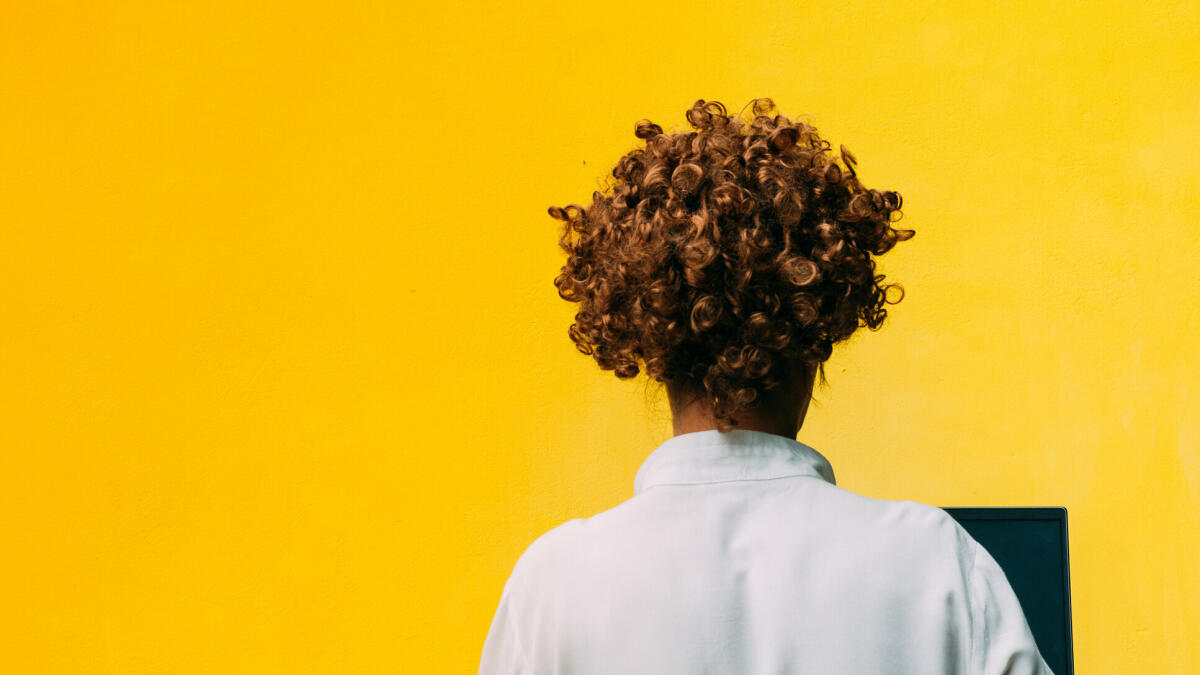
[720, 259]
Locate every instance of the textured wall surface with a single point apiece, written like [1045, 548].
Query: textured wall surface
[287, 387]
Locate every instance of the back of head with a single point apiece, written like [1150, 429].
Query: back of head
[723, 259]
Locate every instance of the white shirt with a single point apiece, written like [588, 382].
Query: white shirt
[737, 554]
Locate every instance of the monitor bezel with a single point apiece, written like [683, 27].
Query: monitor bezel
[1055, 513]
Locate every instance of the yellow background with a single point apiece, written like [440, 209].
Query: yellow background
[287, 387]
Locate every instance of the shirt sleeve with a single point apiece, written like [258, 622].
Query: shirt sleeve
[1001, 642]
[502, 650]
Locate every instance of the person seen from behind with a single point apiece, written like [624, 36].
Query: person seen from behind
[725, 263]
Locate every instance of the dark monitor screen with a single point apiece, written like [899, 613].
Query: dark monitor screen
[1030, 545]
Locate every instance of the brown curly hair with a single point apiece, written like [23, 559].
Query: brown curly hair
[723, 258]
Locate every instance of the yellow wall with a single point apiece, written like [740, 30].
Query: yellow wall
[287, 387]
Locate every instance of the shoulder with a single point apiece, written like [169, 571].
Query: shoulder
[926, 519]
[925, 537]
[577, 551]
[548, 562]
[550, 548]
[937, 527]
[905, 516]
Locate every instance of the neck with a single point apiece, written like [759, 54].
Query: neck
[782, 414]
[688, 423]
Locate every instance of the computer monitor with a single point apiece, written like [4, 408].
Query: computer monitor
[1030, 545]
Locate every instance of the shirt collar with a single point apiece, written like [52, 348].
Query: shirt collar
[712, 456]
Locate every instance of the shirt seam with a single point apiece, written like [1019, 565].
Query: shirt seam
[971, 595]
[804, 447]
[512, 620]
[735, 480]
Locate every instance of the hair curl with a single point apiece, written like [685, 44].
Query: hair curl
[720, 258]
